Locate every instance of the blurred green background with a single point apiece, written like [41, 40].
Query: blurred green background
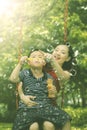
[41, 24]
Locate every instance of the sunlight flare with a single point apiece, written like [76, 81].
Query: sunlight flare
[7, 7]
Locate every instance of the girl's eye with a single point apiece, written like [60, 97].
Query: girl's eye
[56, 50]
[33, 57]
[39, 57]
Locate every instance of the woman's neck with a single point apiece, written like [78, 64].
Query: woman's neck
[37, 72]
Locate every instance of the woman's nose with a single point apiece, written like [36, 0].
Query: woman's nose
[58, 53]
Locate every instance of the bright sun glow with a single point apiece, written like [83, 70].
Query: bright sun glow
[7, 7]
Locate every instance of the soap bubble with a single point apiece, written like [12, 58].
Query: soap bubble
[68, 44]
[4, 76]
[10, 86]
[37, 84]
[27, 89]
[74, 62]
[50, 49]
[26, 73]
[76, 53]
[56, 42]
[73, 72]
[31, 48]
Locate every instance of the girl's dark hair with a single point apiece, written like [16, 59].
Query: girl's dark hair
[71, 64]
[32, 50]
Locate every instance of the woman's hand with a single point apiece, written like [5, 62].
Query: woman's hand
[28, 100]
[47, 56]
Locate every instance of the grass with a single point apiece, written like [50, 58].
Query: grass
[8, 126]
[5, 126]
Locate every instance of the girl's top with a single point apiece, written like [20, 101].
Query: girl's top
[35, 87]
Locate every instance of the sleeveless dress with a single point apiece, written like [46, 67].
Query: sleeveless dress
[44, 111]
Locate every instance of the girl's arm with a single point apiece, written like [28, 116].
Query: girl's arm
[14, 77]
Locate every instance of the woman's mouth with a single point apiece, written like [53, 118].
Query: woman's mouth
[57, 58]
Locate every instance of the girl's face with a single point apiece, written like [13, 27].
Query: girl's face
[36, 59]
[61, 54]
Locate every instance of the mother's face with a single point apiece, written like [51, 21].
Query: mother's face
[61, 54]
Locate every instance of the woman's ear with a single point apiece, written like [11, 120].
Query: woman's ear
[68, 58]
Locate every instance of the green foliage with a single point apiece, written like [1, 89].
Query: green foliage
[79, 116]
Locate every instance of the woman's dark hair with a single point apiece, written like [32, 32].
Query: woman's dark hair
[71, 64]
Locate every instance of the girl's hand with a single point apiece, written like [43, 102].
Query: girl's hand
[52, 91]
[23, 59]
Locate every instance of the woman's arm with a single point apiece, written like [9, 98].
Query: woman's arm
[27, 99]
[61, 74]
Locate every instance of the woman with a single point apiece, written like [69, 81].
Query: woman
[61, 56]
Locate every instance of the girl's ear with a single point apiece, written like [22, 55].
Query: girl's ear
[44, 63]
[68, 58]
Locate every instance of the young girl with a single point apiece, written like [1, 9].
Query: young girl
[59, 117]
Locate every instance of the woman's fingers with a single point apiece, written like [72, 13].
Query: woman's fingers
[32, 97]
[32, 103]
[28, 100]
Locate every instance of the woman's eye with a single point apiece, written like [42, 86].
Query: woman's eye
[63, 53]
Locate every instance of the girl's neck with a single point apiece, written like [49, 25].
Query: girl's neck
[37, 72]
